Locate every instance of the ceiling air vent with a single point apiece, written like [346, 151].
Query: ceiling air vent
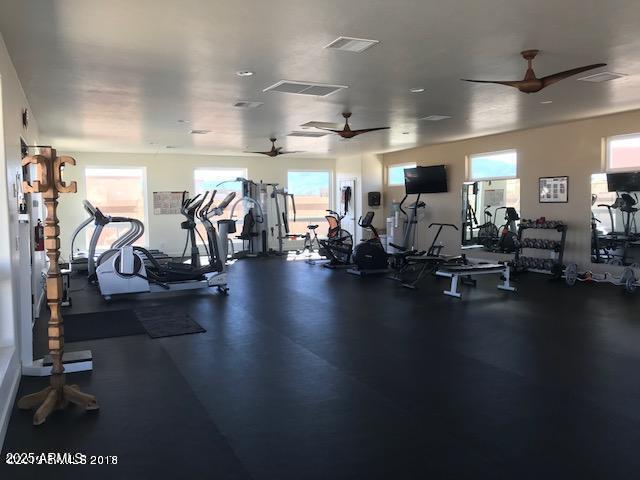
[435, 118]
[320, 125]
[304, 88]
[199, 132]
[351, 44]
[601, 77]
[307, 133]
[247, 104]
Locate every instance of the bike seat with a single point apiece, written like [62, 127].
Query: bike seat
[312, 227]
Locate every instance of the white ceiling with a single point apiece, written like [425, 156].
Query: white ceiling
[117, 75]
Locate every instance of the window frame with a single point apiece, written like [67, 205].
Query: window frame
[470, 158]
[607, 153]
[213, 169]
[145, 192]
[398, 165]
[316, 170]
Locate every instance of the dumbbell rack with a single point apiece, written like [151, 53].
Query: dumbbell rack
[529, 243]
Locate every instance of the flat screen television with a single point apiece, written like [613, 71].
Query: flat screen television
[623, 182]
[431, 179]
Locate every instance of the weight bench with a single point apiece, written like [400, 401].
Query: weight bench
[455, 272]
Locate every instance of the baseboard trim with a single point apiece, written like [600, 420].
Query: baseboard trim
[8, 390]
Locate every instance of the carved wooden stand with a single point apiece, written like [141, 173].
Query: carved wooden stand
[57, 395]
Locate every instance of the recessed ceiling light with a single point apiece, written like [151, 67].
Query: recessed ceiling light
[416, 90]
[546, 102]
[352, 44]
[199, 132]
[435, 118]
[602, 77]
[244, 73]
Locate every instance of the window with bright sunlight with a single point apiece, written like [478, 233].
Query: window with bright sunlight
[623, 152]
[493, 165]
[117, 192]
[312, 194]
[395, 173]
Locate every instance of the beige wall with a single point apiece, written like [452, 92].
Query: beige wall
[573, 149]
[170, 172]
[350, 168]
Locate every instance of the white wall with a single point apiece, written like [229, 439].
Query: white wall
[573, 149]
[13, 101]
[367, 169]
[169, 172]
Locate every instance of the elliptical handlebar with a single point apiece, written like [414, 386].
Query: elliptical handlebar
[204, 209]
[218, 210]
[227, 200]
[91, 210]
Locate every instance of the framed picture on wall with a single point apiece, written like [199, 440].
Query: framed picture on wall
[553, 189]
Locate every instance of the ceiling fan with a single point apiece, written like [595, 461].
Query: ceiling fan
[275, 151]
[531, 83]
[346, 132]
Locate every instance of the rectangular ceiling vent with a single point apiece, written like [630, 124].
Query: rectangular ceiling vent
[247, 104]
[320, 125]
[601, 77]
[435, 118]
[304, 88]
[351, 44]
[199, 132]
[308, 133]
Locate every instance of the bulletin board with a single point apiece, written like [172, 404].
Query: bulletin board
[494, 197]
[554, 189]
[167, 203]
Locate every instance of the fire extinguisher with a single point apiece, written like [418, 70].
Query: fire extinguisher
[38, 237]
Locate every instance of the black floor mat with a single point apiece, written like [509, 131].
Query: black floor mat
[166, 321]
[107, 324]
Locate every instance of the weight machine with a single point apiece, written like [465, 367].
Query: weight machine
[255, 224]
[281, 195]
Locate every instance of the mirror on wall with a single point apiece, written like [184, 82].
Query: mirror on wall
[615, 200]
[488, 208]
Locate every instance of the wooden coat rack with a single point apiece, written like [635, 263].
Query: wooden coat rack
[57, 395]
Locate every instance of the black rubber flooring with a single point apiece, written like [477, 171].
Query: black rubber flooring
[307, 373]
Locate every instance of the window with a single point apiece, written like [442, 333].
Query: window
[601, 195]
[493, 165]
[395, 173]
[623, 152]
[312, 192]
[209, 179]
[116, 191]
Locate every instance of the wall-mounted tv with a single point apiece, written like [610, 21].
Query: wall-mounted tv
[431, 179]
[623, 182]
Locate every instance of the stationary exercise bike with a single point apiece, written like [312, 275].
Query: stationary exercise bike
[488, 231]
[338, 246]
[369, 256]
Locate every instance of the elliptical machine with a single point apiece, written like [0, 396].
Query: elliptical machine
[411, 223]
[123, 270]
[369, 256]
